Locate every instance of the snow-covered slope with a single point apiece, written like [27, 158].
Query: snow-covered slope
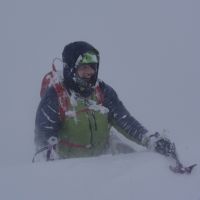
[135, 176]
[149, 54]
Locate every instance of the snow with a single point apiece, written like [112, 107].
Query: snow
[149, 54]
[134, 176]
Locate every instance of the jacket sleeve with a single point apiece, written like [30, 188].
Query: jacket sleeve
[120, 118]
[47, 122]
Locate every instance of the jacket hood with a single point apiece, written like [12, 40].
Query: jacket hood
[73, 50]
[70, 55]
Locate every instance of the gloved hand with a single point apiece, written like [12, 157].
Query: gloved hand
[52, 145]
[52, 141]
[47, 152]
[161, 144]
[164, 146]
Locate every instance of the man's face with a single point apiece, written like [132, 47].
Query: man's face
[85, 71]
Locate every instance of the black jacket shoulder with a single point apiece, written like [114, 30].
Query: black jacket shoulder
[119, 116]
[47, 121]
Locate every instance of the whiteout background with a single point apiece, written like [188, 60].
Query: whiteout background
[149, 54]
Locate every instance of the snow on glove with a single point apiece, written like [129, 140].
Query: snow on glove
[161, 144]
[52, 141]
[52, 145]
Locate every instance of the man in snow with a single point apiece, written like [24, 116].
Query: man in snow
[74, 119]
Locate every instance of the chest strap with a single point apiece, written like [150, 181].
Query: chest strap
[63, 99]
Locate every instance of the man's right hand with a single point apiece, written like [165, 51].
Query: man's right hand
[52, 145]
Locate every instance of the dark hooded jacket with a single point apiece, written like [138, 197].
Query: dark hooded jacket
[48, 122]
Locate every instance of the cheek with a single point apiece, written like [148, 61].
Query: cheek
[90, 71]
[80, 73]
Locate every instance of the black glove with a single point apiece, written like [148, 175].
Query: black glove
[162, 145]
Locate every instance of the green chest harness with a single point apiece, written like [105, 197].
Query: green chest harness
[85, 129]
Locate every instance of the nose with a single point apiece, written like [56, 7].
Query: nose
[86, 71]
[89, 73]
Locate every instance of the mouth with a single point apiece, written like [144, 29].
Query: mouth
[83, 82]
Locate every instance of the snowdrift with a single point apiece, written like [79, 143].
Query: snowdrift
[139, 176]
